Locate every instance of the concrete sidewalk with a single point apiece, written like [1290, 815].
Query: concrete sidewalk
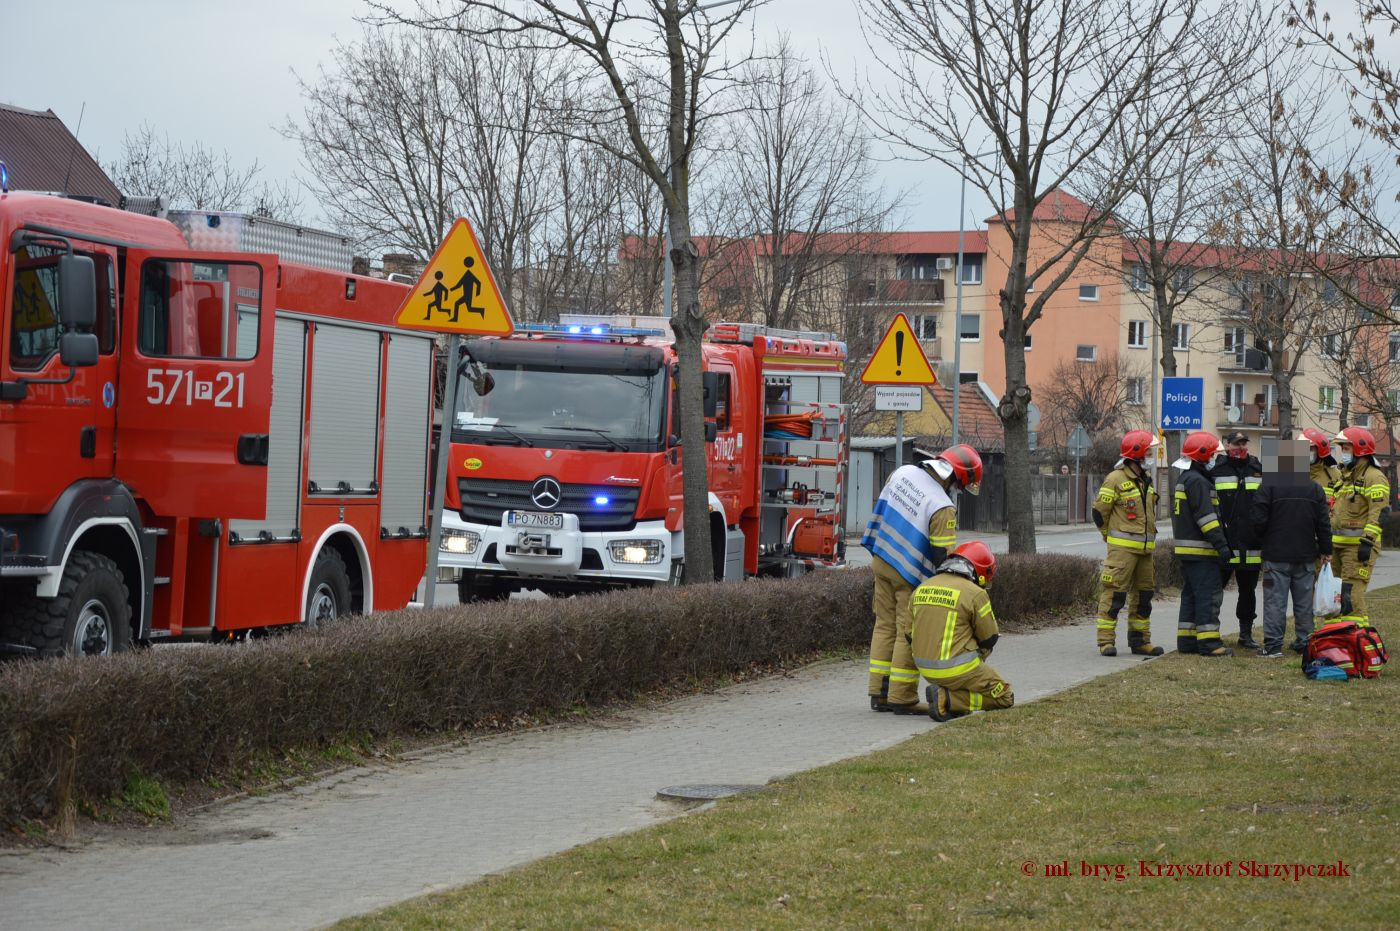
[369, 837]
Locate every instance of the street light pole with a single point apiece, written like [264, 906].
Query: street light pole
[957, 316]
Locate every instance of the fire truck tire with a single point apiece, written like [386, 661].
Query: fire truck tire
[90, 616]
[328, 592]
[473, 587]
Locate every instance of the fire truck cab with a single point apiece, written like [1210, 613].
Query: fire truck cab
[198, 442]
[566, 476]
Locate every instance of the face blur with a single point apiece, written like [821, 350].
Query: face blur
[1285, 461]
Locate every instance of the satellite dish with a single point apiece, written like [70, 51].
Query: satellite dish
[1234, 414]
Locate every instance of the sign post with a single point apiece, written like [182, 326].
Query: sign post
[899, 360]
[1079, 445]
[458, 265]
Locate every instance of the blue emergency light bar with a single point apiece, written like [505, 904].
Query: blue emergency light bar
[601, 330]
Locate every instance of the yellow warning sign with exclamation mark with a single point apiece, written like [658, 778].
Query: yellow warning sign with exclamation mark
[899, 359]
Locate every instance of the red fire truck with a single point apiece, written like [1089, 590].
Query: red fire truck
[199, 438]
[566, 476]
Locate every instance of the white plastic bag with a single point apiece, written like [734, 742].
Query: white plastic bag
[1327, 593]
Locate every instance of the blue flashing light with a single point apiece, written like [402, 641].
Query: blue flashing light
[575, 330]
[597, 331]
[4, 178]
[601, 499]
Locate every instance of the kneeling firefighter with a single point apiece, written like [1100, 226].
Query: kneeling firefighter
[913, 528]
[1126, 514]
[954, 631]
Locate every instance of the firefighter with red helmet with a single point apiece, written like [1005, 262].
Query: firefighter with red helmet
[1126, 514]
[954, 631]
[1362, 498]
[1322, 468]
[1201, 548]
[911, 532]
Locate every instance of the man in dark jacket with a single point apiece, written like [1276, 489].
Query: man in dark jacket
[1289, 515]
[1200, 546]
[1237, 476]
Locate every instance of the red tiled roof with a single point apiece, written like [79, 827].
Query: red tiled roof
[1056, 206]
[893, 243]
[42, 155]
[978, 423]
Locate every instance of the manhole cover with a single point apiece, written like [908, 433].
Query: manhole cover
[705, 793]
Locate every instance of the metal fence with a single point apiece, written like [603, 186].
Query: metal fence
[1063, 499]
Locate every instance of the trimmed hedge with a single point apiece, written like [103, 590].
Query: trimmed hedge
[73, 728]
[1166, 567]
[1390, 530]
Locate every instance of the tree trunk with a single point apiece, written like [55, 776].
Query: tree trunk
[690, 325]
[1016, 430]
[1284, 383]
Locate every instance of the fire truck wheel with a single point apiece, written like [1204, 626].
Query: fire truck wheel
[473, 588]
[328, 593]
[89, 617]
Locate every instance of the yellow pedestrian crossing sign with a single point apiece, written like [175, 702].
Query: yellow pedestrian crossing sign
[899, 360]
[457, 292]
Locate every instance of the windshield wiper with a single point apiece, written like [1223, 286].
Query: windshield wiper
[612, 443]
[504, 428]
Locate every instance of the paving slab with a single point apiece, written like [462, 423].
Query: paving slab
[368, 837]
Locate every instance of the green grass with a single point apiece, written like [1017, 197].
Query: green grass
[143, 795]
[1178, 761]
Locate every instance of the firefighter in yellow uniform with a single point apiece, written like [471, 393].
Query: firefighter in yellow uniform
[911, 531]
[954, 631]
[1362, 497]
[1125, 513]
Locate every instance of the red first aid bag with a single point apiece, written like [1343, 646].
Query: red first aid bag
[1362, 645]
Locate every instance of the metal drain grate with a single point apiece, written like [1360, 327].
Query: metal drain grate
[705, 793]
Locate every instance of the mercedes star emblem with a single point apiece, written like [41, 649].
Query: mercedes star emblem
[546, 493]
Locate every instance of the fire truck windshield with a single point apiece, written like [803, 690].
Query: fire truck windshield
[578, 408]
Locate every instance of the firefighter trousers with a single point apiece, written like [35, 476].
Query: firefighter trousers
[979, 689]
[1127, 578]
[1355, 576]
[890, 655]
[1197, 625]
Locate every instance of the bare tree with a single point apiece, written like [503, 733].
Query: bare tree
[1043, 87]
[1099, 396]
[802, 171]
[1289, 238]
[196, 177]
[667, 50]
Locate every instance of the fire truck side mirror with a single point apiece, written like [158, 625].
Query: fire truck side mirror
[77, 293]
[78, 350]
[710, 382]
[711, 431]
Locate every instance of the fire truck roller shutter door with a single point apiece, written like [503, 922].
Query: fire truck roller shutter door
[408, 409]
[284, 484]
[344, 409]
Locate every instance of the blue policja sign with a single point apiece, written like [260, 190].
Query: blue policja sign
[1182, 401]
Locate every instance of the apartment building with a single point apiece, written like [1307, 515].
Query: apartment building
[1347, 357]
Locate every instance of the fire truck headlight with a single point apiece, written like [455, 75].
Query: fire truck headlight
[637, 552]
[460, 542]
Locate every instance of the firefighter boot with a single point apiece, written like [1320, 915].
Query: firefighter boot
[1139, 643]
[916, 707]
[940, 704]
[881, 702]
[1106, 636]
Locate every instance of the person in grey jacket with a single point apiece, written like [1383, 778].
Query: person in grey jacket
[1289, 515]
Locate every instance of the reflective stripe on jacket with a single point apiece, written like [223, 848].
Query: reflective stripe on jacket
[1127, 507]
[1361, 496]
[1196, 517]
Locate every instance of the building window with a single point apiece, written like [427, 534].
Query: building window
[1088, 292]
[1136, 390]
[1234, 394]
[925, 326]
[1181, 336]
[1086, 353]
[971, 329]
[1137, 334]
[1326, 399]
[1395, 347]
[1332, 345]
[1361, 420]
[1028, 342]
[971, 269]
[967, 378]
[1137, 277]
[1181, 280]
[1329, 291]
[1234, 342]
[920, 268]
[1392, 400]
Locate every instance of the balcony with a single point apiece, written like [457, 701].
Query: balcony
[898, 291]
[1236, 363]
[1255, 416]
